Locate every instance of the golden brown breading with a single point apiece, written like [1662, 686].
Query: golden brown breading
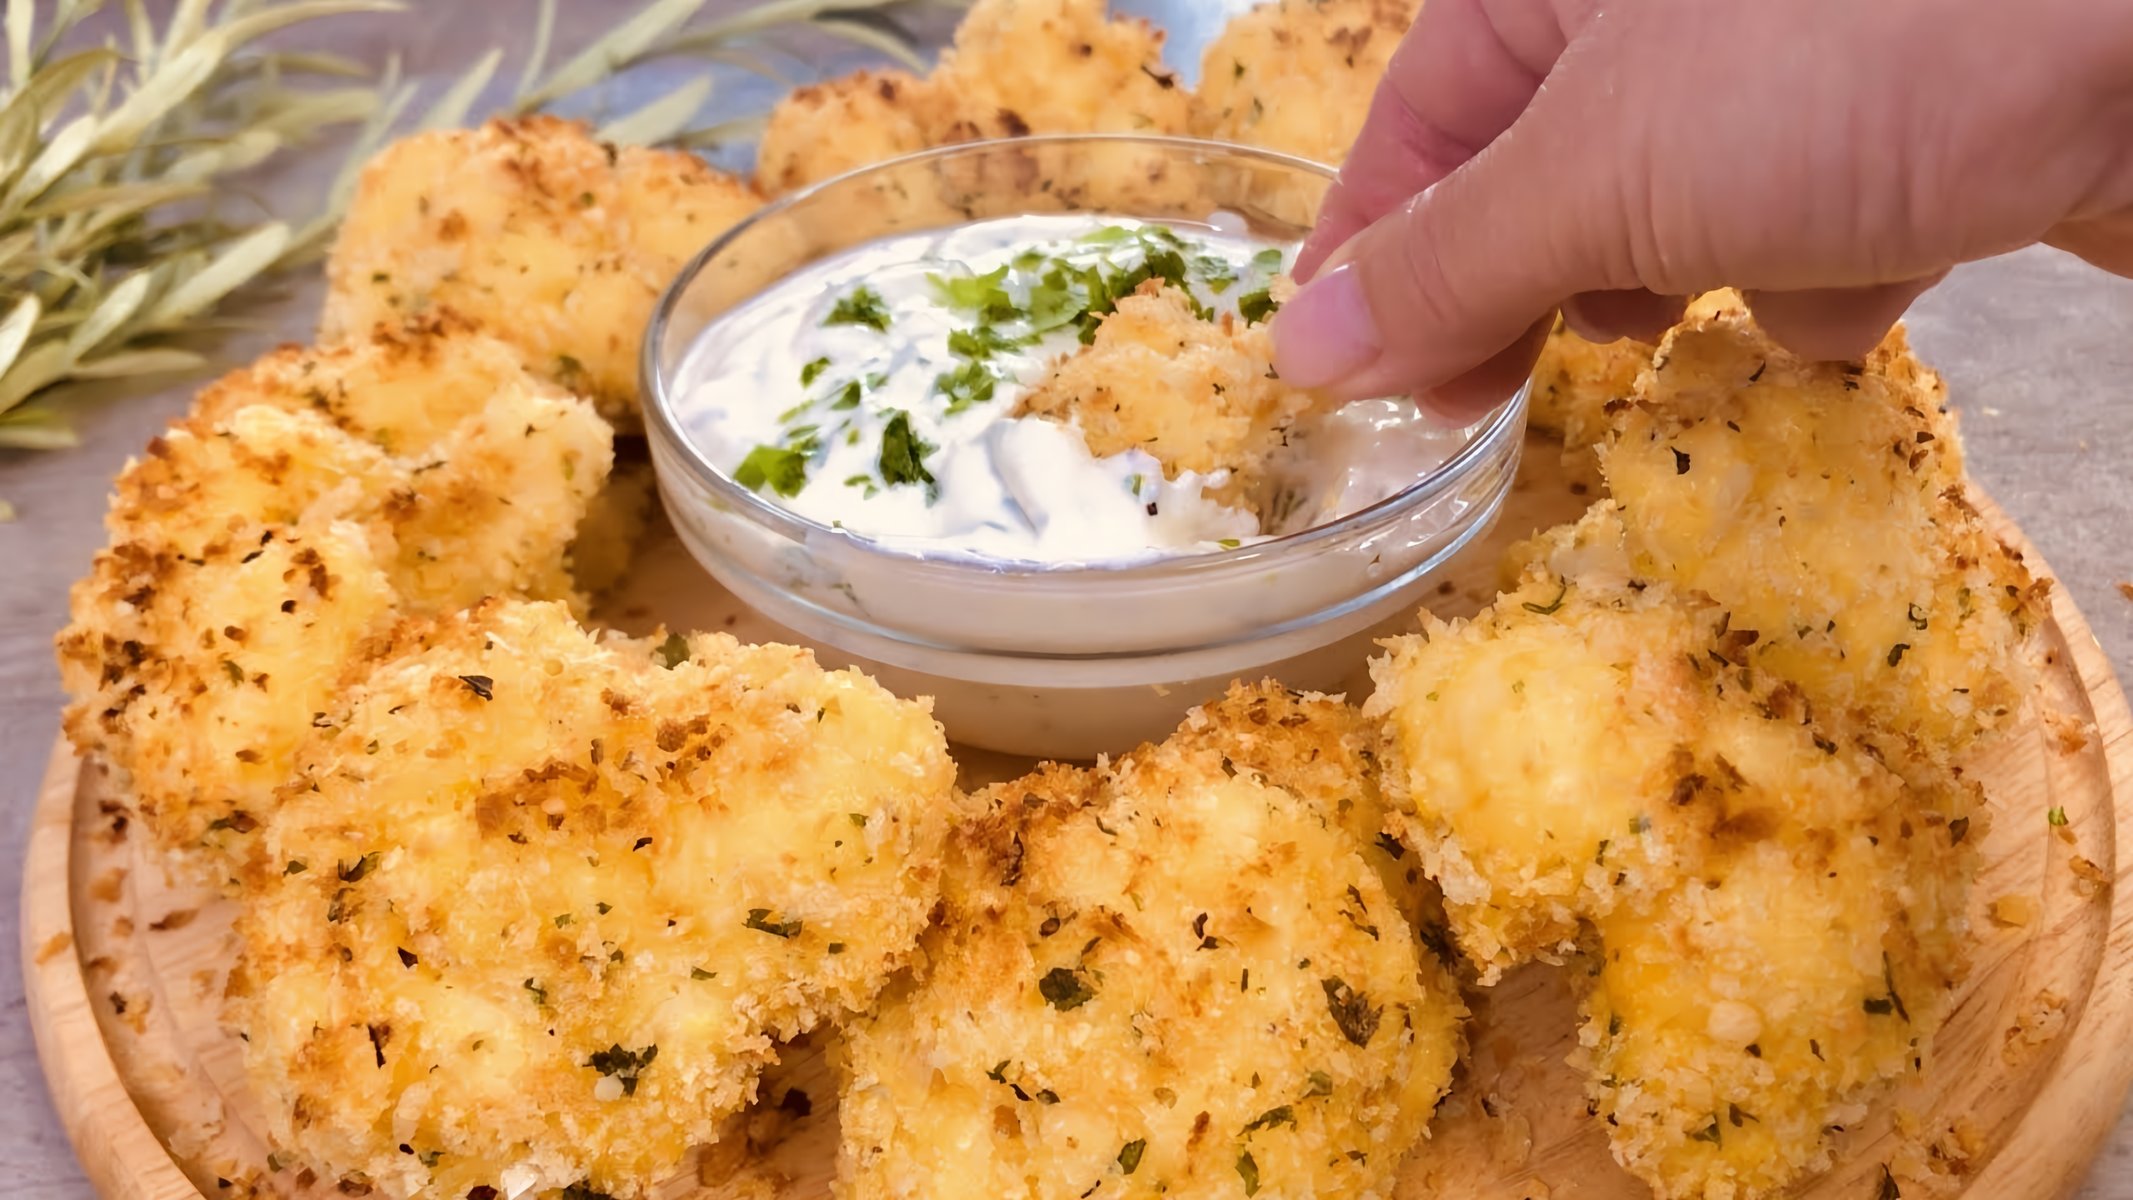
[842, 124]
[259, 543]
[402, 387]
[1740, 1015]
[1575, 381]
[1298, 75]
[1058, 66]
[554, 242]
[1197, 395]
[536, 906]
[1775, 902]
[1823, 506]
[1172, 975]
[1017, 67]
[1536, 758]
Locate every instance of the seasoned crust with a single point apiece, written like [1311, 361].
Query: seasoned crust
[1168, 975]
[536, 906]
[1587, 767]
[1016, 67]
[1197, 395]
[1298, 75]
[1823, 505]
[260, 542]
[531, 229]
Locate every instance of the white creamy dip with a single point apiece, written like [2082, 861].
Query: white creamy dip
[875, 391]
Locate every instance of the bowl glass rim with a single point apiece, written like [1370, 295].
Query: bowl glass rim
[1484, 437]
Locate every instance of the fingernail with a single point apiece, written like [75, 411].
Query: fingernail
[1325, 334]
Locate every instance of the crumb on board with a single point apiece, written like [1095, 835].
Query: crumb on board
[121, 929]
[2089, 879]
[105, 887]
[177, 918]
[54, 946]
[2036, 1025]
[2069, 733]
[2125, 589]
[2013, 911]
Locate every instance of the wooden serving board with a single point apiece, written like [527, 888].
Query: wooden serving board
[125, 972]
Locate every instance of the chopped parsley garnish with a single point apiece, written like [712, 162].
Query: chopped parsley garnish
[813, 370]
[1268, 260]
[1109, 235]
[1283, 1115]
[672, 652]
[1215, 271]
[1064, 989]
[783, 470]
[979, 343]
[625, 1065]
[480, 685]
[1358, 1022]
[903, 453]
[759, 918]
[1257, 306]
[969, 384]
[1129, 1155]
[847, 397]
[863, 307]
[1249, 1172]
[2056, 817]
[362, 866]
[979, 294]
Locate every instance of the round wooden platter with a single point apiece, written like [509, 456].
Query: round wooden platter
[125, 970]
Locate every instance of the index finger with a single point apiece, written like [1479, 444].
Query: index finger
[1461, 76]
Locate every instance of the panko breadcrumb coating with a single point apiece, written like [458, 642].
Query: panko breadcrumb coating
[1176, 974]
[1018, 67]
[1197, 395]
[1575, 381]
[1298, 75]
[1774, 901]
[839, 125]
[1058, 66]
[550, 240]
[261, 542]
[1823, 506]
[536, 906]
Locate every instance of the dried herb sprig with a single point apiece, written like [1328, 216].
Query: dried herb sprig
[108, 250]
[112, 255]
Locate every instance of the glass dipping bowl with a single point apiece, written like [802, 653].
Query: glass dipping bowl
[1053, 661]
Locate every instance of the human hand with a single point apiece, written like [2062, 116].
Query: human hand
[1832, 158]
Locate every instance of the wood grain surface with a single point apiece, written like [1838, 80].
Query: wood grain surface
[125, 970]
[2037, 349]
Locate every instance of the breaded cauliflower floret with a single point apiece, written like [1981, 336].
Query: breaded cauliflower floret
[401, 387]
[1551, 756]
[536, 907]
[1058, 66]
[1575, 381]
[1017, 67]
[1173, 975]
[258, 545]
[1774, 901]
[839, 125]
[1740, 1015]
[1298, 75]
[537, 233]
[1197, 395]
[1823, 506]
